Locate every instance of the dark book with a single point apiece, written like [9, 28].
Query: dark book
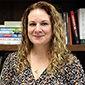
[74, 28]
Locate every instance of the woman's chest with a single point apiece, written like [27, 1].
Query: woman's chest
[27, 78]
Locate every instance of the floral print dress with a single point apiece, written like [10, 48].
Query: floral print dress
[72, 74]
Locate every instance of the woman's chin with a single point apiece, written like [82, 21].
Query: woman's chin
[38, 43]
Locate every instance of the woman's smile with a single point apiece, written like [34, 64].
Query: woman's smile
[38, 36]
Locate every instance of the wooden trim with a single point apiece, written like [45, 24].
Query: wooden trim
[8, 47]
[15, 47]
[76, 47]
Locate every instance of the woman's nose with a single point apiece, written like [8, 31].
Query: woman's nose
[38, 28]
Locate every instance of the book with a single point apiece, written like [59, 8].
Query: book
[74, 27]
[11, 39]
[10, 42]
[10, 30]
[67, 28]
[81, 24]
[64, 19]
[70, 33]
[14, 29]
[11, 35]
[61, 15]
[13, 23]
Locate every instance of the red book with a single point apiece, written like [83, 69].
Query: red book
[4, 35]
[74, 25]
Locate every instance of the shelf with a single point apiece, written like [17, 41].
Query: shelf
[76, 47]
[15, 47]
[8, 47]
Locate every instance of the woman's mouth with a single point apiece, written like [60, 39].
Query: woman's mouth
[38, 36]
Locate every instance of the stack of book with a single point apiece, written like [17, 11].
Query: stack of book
[74, 22]
[10, 34]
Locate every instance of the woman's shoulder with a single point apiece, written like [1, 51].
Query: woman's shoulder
[75, 64]
[8, 70]
[12, 56]
[11, 59]
[74, 72]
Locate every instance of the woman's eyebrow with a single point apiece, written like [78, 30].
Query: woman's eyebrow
[45, 21]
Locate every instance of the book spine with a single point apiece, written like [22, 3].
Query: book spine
[10, 35]
[10, 42]
[67, 28]
[81, 24]
[13, 23]
[64, 19]
[10, 32]
[10, 39]
[70, 33]
[7, 32]
[9, 29]
[61, 15]
[74, 25]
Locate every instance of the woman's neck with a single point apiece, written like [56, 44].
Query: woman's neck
[38, 54]
[40, 50]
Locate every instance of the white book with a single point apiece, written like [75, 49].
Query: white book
[6, 32]
[19, 26]
[13, 23]
[81, 24]
[9, 39]
[8, 42]
[12, 41]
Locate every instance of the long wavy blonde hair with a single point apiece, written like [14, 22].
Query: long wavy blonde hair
[58, 51]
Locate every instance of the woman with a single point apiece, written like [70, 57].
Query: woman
[42, 58]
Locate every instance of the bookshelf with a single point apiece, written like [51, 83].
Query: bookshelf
[13, 10]
[15, 47]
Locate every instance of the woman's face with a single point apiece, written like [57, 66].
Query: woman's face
[39, 27]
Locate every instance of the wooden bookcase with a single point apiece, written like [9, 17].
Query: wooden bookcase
[12, 10]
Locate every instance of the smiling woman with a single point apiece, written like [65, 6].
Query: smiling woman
[42, 58]
[39, 27]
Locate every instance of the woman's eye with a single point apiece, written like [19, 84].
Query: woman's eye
[32, 24]
[44, 24]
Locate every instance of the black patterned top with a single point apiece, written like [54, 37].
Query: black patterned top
[73, 74]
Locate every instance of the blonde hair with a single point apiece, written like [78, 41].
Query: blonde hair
[58, 51]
